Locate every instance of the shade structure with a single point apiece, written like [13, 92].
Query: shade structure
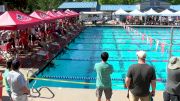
[176, 13]
[13, 20]
[151, 12]
[98, 12]
[54, 15]
[166, 12]
[136, 13]
[41, 15]
[120, 12]
[63, 14]
[77, 14]
[71, 14]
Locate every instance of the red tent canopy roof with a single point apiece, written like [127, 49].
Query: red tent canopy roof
[55, 15]
[41, 15]
[71, 13]
[65, 14]
[13, 20]
[75, 12]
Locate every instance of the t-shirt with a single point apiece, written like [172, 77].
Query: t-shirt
[173, 82]
[103, 79]
[5, 75]
[141, 76]
[16, 81]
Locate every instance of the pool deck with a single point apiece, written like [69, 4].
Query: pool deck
[70, 94]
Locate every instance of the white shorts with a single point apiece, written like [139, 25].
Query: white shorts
[19, 98]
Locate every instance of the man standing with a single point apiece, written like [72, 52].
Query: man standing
[103, 80]
[172, 92]
[139, 78]
[17, 83]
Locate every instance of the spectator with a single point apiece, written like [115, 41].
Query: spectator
[17, 83]
[103, 81]
[139, 78]
[172, 92]
[5, 75]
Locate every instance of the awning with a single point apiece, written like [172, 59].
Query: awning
[13, 20]
[41, 15]
[91, 13]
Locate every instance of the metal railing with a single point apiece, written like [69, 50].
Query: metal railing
[38, 90]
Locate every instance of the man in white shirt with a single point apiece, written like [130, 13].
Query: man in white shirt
[17, 83]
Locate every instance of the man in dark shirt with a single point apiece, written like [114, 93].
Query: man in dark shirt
[139, 78]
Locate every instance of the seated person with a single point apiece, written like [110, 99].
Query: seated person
[23, 42]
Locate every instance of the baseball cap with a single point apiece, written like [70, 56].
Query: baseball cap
[174, 63]
[141, 54]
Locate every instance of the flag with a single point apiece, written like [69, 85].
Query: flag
[147, 39]
[157, 44]
[143, 36]
[150, 40]
[162, 47]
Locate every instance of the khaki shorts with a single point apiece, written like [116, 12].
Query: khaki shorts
[107, 92]
[136, 98]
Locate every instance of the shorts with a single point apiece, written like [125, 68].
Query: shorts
[20, 97]
[170, 97]
[136, 98]
[107, 92]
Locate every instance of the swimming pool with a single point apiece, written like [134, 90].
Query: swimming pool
[77, 63]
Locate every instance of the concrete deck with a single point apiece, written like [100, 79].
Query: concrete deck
[70, 94]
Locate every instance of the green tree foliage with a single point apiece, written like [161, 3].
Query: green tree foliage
[175, 2]
[15, 4]
[118, 1]
[31, 5]
[43, 4]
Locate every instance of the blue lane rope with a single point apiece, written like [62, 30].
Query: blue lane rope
[90, 78]
[77, 59]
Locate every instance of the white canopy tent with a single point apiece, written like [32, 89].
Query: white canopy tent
[91, 13]
[136, 13]
[177, 13]
[120, 12]
[166, 12]
[151, 12]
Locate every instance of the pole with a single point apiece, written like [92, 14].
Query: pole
[170, 48]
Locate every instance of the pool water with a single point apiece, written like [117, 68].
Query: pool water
[77, 63]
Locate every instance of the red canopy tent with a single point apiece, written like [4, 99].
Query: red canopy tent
[66, 14]
[55, 15]
[41, 15]
[77, 14]
[71, 13]
[13, 20]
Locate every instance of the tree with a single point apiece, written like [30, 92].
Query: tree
[127, 2]
[15, 4]
[174, 1]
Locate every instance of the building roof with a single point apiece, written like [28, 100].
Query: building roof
[175, 7]
[67, 5]
[116, 7]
